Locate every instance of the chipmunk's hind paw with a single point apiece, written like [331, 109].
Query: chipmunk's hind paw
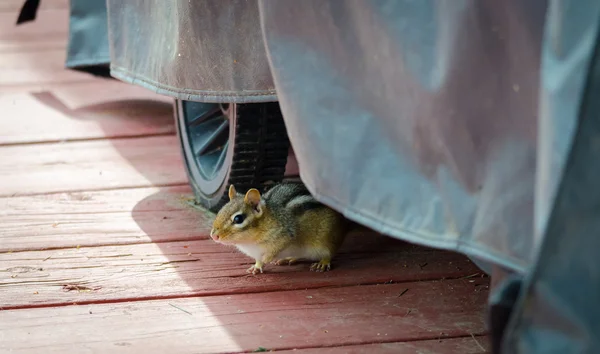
[322, 266]
[286, 261]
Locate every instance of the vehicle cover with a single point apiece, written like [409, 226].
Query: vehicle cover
[469, 125]
[88, 48]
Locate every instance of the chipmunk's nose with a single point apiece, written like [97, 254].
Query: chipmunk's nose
[213, 234]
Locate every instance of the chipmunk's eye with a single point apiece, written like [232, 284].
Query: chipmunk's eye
[238, 219]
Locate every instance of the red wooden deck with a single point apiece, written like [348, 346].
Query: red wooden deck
[102, 252]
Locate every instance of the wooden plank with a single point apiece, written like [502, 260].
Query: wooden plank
[90, 165]
[28, 47]
[202, 267]
[273, 320]
[77, 96]
[37, 68]
[124, 216]
[44, 117]
[466, 345]
[92, 91]
[48, 31]
[46, 86]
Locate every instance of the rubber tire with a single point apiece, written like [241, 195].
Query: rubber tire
[258, 145]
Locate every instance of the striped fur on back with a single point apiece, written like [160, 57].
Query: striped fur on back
[288, 200]
[290, 195]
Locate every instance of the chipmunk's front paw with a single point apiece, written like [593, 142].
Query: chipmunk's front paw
[255, 269]
[322, 266]
[285, 261]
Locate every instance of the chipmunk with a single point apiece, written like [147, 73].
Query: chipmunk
[283, 226]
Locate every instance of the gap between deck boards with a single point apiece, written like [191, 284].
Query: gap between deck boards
[77, 140]
[98, 189]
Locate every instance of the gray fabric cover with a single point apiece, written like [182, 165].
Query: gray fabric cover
[558, 310]
[456, 124]
[88, 48]
[418, 118]
[201, 50]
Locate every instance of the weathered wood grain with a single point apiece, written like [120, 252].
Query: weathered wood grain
[202, 267]
[124, 111]
[272, 320]
[90, 165]
[466, 345]
[124, 216]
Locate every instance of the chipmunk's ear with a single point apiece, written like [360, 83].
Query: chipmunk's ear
[232, 192]
[252, 198]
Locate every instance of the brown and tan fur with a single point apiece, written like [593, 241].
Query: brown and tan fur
[281, 227]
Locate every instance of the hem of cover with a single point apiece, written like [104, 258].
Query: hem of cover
[254, 96]
[74, 62]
